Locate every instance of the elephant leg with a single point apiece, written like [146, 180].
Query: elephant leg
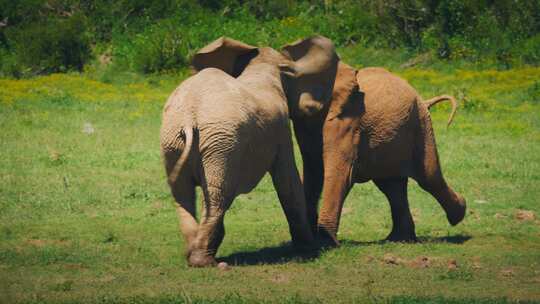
[429, 176]
[313, 182]
[337, 184]
[395, 191]
[183, 191]
[289, 188]
[185, 209]
[309, 140]
[452, 202]
[211, 229]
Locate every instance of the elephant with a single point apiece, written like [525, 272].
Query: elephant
[227, 125]
[377, 127]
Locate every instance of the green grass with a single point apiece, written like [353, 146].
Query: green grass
[87, 216]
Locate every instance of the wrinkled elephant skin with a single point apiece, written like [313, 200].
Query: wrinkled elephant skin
[226, 126]
[377, 128]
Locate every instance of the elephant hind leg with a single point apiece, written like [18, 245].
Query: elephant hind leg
[211, 229]
[428, 174]
[452, 202]
[184, 195]
[183, 191]
[395, 191]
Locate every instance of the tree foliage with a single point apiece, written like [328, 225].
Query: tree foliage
[42, 36]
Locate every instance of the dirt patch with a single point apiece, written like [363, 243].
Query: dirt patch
[476, 263]
[415, 213]
[390, 259]
[280, 278]
[155, 208]
[500, 216]
[107, 278]
[158, 205]
[346, 210]
[418, 262]
[452, 264]
[525, 215]
[44, 242]
[421, 262]
[474, 214]
[74, 266]
[507, 273]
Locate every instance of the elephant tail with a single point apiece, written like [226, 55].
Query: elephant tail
[435, 100]
[188, 133]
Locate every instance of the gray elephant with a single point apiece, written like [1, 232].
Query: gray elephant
[227, 125]
[377, 127]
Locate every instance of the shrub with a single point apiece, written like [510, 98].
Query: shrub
[160, 48]
[529, 50]
[160, 35]
[54, 45]
[8, 64]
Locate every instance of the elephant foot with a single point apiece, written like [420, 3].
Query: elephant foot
[306, 250]
[398, 236]
[326, 238]
[304, 246]
[201, 259]
[456, 212]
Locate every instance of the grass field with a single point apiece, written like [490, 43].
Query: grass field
[86, 216]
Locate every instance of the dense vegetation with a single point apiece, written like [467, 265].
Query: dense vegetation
[43, 36]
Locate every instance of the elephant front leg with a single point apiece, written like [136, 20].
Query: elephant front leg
[291, 196]
[337, 184]
[211, 229]
[313, 181]
[395, 191]
[309, 140]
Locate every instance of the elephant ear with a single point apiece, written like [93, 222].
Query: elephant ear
[347, 99]
[311, 55]
[311, 72]
[225, 54]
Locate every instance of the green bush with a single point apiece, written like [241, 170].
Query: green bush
[529, 50]
[54, 45]
[160, 35]
[160, 48]
[8, 64]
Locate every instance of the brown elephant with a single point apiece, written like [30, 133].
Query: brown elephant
[226, 126]
[376, 128]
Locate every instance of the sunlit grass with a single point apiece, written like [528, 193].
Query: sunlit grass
[86, 216]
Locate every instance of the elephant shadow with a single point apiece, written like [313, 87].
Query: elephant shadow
[458, 239]
[280, 254]
[285, 252]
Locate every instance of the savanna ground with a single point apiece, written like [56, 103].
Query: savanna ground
[86, 215]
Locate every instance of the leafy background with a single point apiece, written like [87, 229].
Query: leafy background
[43, 36]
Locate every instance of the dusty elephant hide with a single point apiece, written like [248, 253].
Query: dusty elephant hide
[227, 125]
[377, 128]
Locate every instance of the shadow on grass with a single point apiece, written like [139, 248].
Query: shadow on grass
[455, 239]
[281, 254]
[285, 252]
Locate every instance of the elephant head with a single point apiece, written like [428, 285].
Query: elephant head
[311, 74]
[307, 68]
